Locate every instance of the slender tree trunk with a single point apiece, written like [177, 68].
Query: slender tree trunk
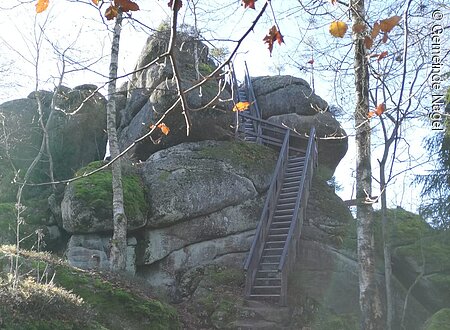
[371, 315]
[385, 226]
[119, 240]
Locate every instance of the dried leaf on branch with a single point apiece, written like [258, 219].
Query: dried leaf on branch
[274, 35]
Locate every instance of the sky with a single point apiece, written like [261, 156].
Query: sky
[78, 30]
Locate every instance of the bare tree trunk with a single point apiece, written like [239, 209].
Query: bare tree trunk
[119, 240]
[385, 227]
[371, 315]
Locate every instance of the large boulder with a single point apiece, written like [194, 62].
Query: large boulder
[200, 178]
[76, 125]
[206, 198]
[290, 102]
[331, 137]
[87, 202]
[152, 90]
[278, 95]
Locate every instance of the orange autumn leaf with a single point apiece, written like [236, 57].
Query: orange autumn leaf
[386, 25]
[385, 38]
[41, 6]
[358, 27]
[311, 61]
[274, 35]
[95, 2]
[368, 42]
[338, 29]
[241, 106]
[126, 5]
[249, 3]
[111, 12]
[333, 2]
[163, 127]
[375, 30]
[380, 109]
[382, 55]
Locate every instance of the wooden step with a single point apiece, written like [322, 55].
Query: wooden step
[270, 259]
[297, 174]
[285, 206]
[296, 159]
[294, 167]
[281, 224]
[282, 218]
[268, 266]
[278, 230]
[289, 189]
[266, 289]
[264, 296]
[274, 244]
[282, 211]
[286, 200]
[272, 251]
[276, 237]
[288, 194]
[272, 273]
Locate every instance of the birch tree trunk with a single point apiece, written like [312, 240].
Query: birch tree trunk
[371, 315]
[119, 240]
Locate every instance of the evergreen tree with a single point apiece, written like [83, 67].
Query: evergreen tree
[436, 183]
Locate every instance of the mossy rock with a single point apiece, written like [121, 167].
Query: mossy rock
[116, 307]
[326, 320]
[77, 300]
[250, 156]
[439, 321]
[87, 203]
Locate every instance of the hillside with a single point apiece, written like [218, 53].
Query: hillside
[53, 295]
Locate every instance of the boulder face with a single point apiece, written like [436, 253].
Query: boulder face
[21, 134]
[277, 95]
[331, 138]
[152, 91]
[87, 208]
[290, 101]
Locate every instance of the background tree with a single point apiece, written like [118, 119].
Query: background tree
[436, 183]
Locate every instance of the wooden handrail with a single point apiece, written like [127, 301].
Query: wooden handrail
[274, 125]
[306, 172]
[290, 247]
[256, 249]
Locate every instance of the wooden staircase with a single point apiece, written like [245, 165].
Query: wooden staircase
[273, 251]
[267, 283]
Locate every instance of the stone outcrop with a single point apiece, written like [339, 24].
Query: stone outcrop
[193, 203]
[290, 101]
[152, 91]
[87, 208]
[21, 134]
[277, 95]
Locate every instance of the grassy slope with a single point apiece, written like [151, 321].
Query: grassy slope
[76, 299]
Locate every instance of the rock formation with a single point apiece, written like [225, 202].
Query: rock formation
[290, 101]
[193, 203]
[152, 91]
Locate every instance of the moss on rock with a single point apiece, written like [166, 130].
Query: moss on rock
[77, 300]
[96, 189]
[439, 321]
[241, 154]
